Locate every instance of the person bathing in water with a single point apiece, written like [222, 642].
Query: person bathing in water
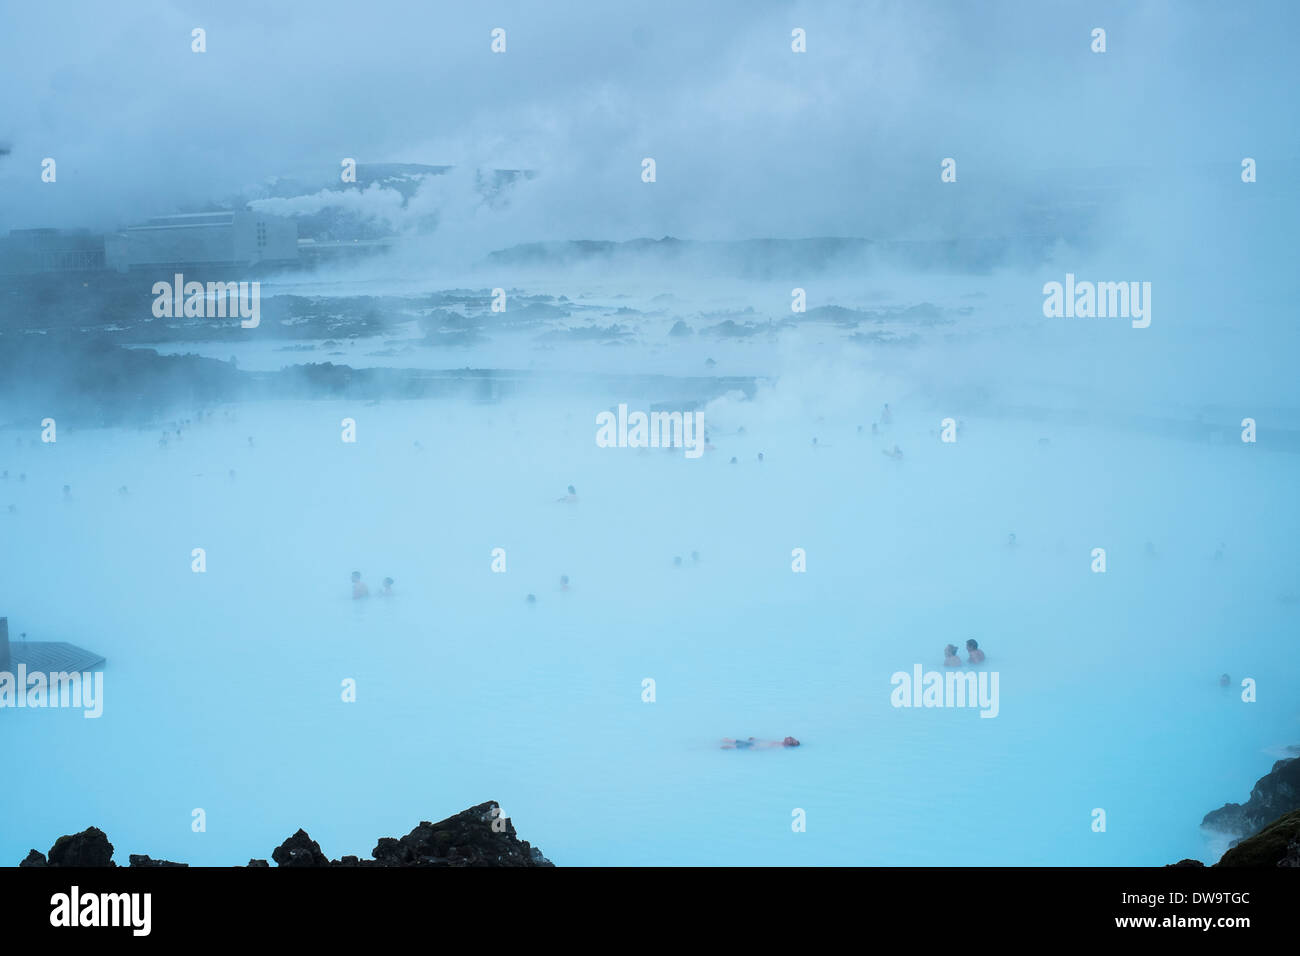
[973, 652]
[569, 498]
[895, 453]
[359, 589]
[950, 658]
[749, 743]
[388, 588]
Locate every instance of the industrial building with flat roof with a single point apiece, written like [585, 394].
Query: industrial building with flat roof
[232, 239]
[37, 251]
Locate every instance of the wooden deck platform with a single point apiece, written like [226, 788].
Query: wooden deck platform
[51, 657]
[46, 657]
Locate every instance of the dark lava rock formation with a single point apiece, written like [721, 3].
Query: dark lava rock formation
[1274, 794]
[479, 836]
[87, 848]
[1267, 825]
[299, 850]
[475, 837]
[1278, 844]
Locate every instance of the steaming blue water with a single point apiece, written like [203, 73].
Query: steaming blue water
[222, 690]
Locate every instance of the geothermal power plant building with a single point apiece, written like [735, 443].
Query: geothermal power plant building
[219, 240]
[39, 251]
[230, 241]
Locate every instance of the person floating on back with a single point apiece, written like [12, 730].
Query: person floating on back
[750, 743]
[359, 589]
[950, 658]
[973, 652]
[895, 453]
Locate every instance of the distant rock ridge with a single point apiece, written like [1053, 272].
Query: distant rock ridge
[769, 258]
[479, 836]
[1274, 794]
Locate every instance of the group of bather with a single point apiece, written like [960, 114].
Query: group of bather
[974, 656]
[361, 590]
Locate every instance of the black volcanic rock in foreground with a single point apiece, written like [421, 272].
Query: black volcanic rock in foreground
[1278, 844]
[1267, 825]
[90, 847]
[473, 837]
[478, 836]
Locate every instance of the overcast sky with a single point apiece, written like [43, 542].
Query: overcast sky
[750, 138]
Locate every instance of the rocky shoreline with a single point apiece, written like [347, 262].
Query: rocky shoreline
[478, 836]
[1267, 826]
